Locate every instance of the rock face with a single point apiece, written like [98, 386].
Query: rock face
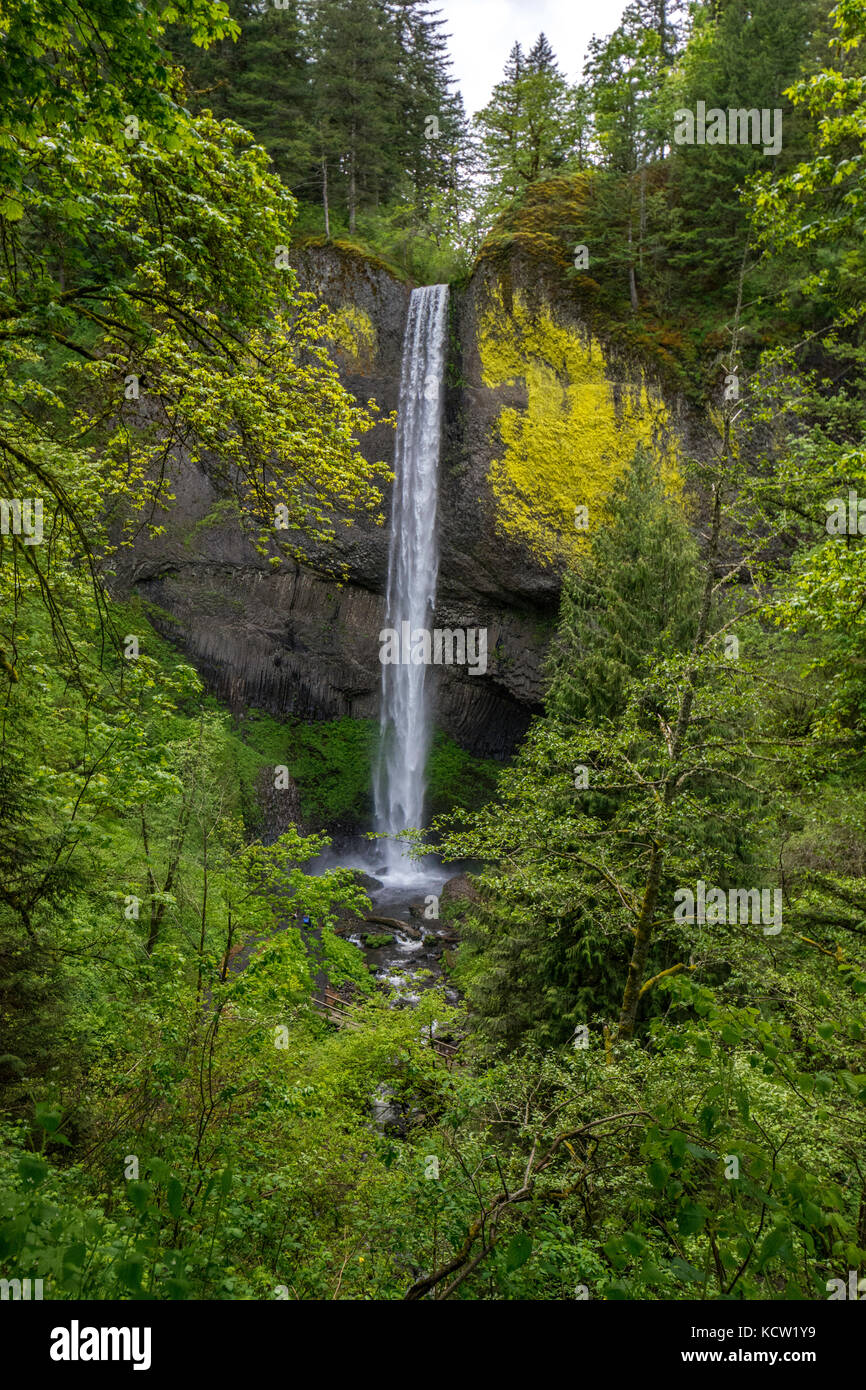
[540, 419]
[280, 808]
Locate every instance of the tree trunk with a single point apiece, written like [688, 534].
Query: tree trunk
[642, 234]
[352, 188]
[643, 936]
[632, 283]
[633, 287]
[203, 930]
[325, 199]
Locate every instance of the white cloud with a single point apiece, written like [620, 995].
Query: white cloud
[483, 32]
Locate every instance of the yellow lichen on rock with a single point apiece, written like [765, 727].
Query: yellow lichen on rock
[576, 435]
[353, 334]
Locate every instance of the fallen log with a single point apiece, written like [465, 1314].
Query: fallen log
[395, 924]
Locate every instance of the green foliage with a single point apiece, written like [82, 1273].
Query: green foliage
[811, 221]
[742, 55]
[332, 762]
[639, 594]
[531, 124]
[349, 136]
[455, 777]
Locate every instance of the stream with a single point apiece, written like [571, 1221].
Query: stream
[412, 961]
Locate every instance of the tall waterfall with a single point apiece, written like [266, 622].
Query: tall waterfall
[413, 561]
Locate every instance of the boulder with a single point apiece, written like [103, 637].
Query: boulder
[366, 881]
[459, 887]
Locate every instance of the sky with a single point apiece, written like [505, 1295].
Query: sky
[483, 32]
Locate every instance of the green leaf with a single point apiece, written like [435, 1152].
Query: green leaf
[47, 1116]
[774, 1246]
[677, 1149]
[697, 1151]
[658, 1174]
[518, 1251]
[617, 1292]
[616, 1252]
[177, 1288]
[685, 1272]
[690, 1218]
[139, 1195]
[129, 1272]
[33, 1169]
[74, 1255]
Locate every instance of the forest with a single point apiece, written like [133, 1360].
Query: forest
[632, 1066]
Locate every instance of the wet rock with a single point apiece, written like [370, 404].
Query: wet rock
[281, 807]
[349, 923]
[411, 930]
[459, 887]
[366, 881]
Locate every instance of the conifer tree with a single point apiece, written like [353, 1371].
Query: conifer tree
[260, 80]
[744, 54]
[546, 954]
[351, 98]
[431, 125]
[637, 594]
[356, 62]
[532, 124]
[625, 75]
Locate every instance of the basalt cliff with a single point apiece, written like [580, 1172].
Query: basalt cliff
[542, 415]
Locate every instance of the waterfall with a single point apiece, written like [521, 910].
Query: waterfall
[413, 561]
